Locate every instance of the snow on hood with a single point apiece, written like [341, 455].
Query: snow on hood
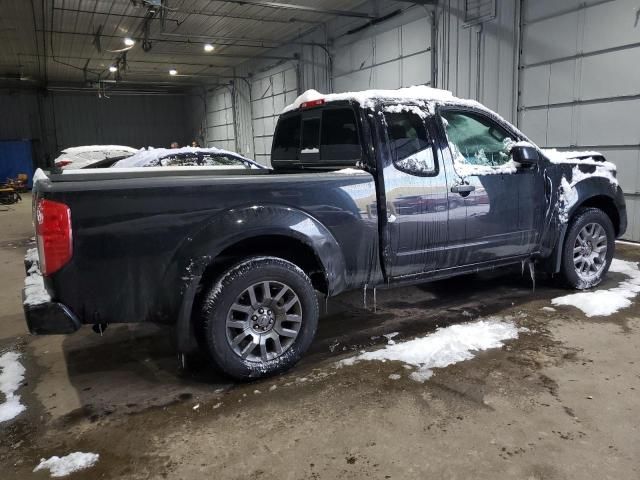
[150, 156]
[98, 148]
[583, 158]
[419, 94]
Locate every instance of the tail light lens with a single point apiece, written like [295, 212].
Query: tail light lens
[63, 163]
[53, 231]
[313, 103]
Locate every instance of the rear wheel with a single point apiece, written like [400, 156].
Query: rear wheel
[260, 318]
[588, 249]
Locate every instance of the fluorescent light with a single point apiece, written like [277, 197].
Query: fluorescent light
[129, 42]
[173, 71]
[208, 47]
[113, 69]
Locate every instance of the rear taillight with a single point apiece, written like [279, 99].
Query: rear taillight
[63, 163]
[312, 103]
[53, 231]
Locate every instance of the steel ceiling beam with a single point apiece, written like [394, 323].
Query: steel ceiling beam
[190, 12]
[235, 43]
[302, 8]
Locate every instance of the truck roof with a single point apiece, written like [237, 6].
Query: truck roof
[420, 94]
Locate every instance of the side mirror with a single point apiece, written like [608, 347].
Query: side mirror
[525, 155]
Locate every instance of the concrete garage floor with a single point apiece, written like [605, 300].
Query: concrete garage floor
[559, 402]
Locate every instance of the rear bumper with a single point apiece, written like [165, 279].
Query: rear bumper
[43, 315]
[50, 318]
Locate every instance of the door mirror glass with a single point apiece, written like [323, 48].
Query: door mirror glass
[525, 155]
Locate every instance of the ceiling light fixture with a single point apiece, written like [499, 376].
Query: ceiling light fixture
[129, 42]
[208, 47]
[173, 71]
[113, 69]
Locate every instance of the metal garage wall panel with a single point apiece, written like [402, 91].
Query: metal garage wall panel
[388, 75]
[593, 115]
[220, 129]
[553, 38]
[613, 123]
[534, 85]
[610, 25]
[416, 70]
[534, 124]
[628, 163]
[415, 36]
[559, 125]
[390, 55]
[270, 93]
[563, 84]
[611, 74]
[492, 80]
[387, 46]
[535, 9]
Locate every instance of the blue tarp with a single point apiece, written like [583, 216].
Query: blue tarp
[15, 158]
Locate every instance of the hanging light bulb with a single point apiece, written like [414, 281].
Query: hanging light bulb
[208, 47]
[129, 42]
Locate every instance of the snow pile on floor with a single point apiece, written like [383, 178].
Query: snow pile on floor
[35, 292]
[606, 302]
[11, 375]
[444, 347]
[62, 466]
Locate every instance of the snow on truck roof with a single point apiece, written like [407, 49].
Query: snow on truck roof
[419, 94]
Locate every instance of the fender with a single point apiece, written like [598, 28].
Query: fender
[586, 190]
[228, 228]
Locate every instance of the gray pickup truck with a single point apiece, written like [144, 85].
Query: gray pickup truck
[368, 190]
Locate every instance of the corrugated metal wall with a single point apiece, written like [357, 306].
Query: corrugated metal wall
[271, 91]
[394, 54]
[220, 120]
[580, 84]
[480, 61]
[61, 120]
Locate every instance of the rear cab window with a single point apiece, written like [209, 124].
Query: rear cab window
[323, 137]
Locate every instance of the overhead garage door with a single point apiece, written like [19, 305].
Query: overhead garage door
[220, 131]
[580, 84]
[270, 93]
[398, 57]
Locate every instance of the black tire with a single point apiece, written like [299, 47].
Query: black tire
[582, 219]
[220, 315]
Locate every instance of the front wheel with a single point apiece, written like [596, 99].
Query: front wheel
[588, 249]
[260, 318]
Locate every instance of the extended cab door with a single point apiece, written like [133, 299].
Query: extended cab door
[415, 188]
[503, 202]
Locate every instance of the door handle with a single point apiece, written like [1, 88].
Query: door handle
[463, 189]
